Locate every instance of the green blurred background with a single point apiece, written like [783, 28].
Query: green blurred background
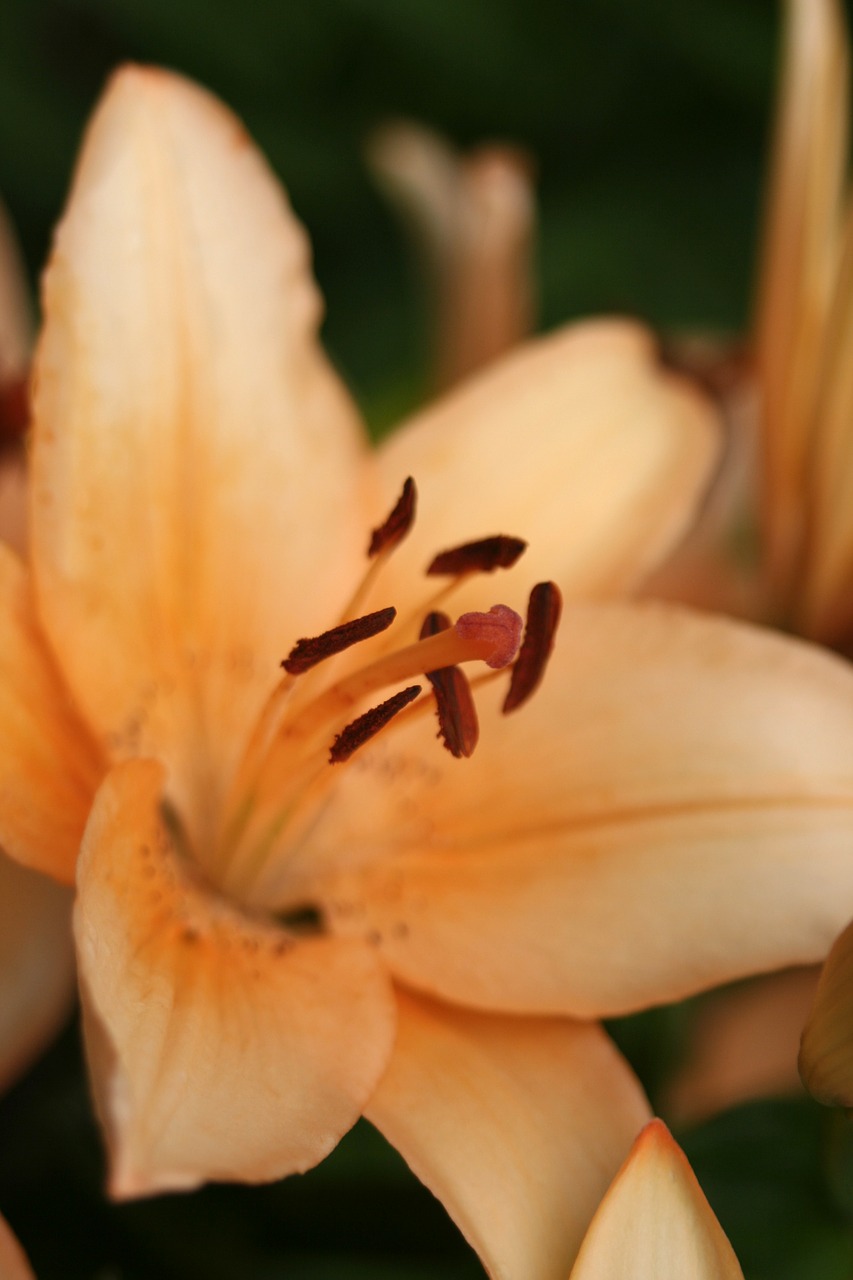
[648, 122]
[646, 119]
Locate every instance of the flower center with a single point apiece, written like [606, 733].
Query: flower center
[318, 715]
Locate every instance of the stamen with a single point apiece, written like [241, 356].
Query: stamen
[483, 556]
[457, 716]
[306, 653]
[366, 726]
[400, 520]
[491, 637]
[383, 540]
[543, 616]
[434, 623]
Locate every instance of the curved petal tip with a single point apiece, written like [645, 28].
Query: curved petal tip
[655, 1223]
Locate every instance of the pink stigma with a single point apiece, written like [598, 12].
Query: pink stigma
[499, 629]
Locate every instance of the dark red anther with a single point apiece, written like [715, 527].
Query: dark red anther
[14, 410]
[458, 727]
[483, 556]
[398, 523]
[306, 653]
[433, 624]
[543, 616]
[366, 726]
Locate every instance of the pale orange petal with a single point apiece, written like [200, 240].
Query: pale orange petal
[48, 767]
[673, 809]
[473, 219]
[517, 1125]
[655, 1223]
[799, 259]
[579, 442]
[220, 1047]
[743, 1045]
[13, 500]
[37, 980]
[13, 1261]
[196, 463]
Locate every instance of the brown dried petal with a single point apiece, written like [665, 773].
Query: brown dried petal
[14, 410]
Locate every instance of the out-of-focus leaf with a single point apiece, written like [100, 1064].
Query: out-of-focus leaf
[653, 1043]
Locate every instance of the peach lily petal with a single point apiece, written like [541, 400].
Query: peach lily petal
[800, 257]
[37, 974]
[655, 1223]
[193, 449]
[221, 1047]
[13, 1261]
[673, 810]
[13, 500]
[593, 452]
[517, 1127]
[48, 766]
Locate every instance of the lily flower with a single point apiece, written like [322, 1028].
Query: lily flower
[36, 954]
[655, 1223]
[293, 905]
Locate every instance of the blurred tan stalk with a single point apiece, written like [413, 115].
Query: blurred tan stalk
[472, 219]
